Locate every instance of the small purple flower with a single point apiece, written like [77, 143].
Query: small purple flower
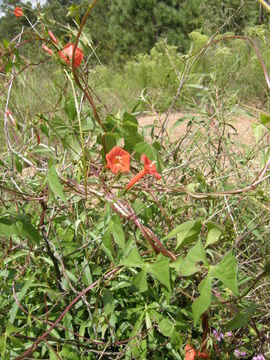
[218, 335]
[238, 354]
[229, 334]
[259, 357]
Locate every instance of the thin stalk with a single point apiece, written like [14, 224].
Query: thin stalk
[265, 4]
[81, 133]
[86, 93]
[30, 350]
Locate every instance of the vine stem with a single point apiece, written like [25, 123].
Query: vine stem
[87, 94]
[32, 348]
[81, 133]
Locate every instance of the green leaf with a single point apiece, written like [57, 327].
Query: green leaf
[189, 232]
[265, 120]
[140, 281]
[44, 129]
[8, 66]
[68, 354]
[138, 349]
[258, 131]
[70, 109]
[214, 233]
[133, 259]
[118, 233]
[29, 231]
[176, 265]
[18, 164]
[181, 120]
[8, 228]
[161, 271]
[130, 123]
[87, 124]
[131, 140]
[20, 295]
[147, 149]
[194, 259]
[111, 139]
[240, 319]
[186, 232]
[202, 303]
[71, 143]
[87, 277]
[15, 342]
[108, 302]
[226, 272]
[53, 356]
[54, 182]
[17, 225]
[5, 43]
[71, 276]
[3, 341]
[107, 245]
[149, 326]
[59, 126]
[11, 329]
[166, 327]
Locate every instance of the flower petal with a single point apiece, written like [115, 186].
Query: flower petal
[118, 160]
[54, 39]
[190, 352]
[67, 53]
[150, 167]
[18, 11]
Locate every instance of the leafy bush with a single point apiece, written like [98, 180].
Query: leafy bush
[123, 241]
[231, 66]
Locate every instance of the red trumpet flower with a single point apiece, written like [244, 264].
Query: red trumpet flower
[118, 160]
[67, 53]
[191, 354]
[149, 168]
[18, 11]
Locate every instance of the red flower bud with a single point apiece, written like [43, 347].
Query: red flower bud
[18, 11]
[54, 39]
[47, 49]
[67, 53]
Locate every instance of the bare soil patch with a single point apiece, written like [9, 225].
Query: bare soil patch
[241, 125]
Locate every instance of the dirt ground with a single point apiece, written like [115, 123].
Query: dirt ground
[241, 123]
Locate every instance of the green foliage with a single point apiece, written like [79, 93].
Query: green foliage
[171, 19]
[230, 65]
[217, 13]
[54, 182]
[226, 272]
[202, 303]
[137, 274]
[240, 319]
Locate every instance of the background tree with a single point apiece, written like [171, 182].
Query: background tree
[10, 25]
[216, 13]
[136, 25]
